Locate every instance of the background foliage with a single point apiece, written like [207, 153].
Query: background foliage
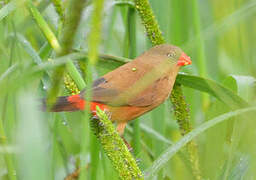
[218, 35]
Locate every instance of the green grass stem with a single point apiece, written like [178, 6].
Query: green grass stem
[160, 162]
[200, 48]
[59, 9]
[115, 148]
[131, 25]
[181, 110]
[7, 157]
[93, 43]
[66, 46]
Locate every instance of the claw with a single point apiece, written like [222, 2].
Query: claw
[94, 112]
[108, 113]
[95, 117]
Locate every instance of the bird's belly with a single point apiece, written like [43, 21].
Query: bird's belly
[126, 113]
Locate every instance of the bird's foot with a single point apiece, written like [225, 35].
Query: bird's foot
[95, 117]
[108, 113]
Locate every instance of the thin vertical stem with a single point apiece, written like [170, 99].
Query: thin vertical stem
[7, 157]
[132, 54]
[3, 138]
[199, 47]
[94, 42]
[181, 110]
[149, 21]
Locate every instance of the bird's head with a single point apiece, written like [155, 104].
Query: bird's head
[172, 53]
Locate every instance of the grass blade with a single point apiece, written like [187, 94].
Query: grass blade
[215, 89]
[29, 49]
[168, 154]
[7, 9]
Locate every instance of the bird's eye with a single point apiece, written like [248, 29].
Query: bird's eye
[171, 54]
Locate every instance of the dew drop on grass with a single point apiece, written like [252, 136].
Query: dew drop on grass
[65, 123]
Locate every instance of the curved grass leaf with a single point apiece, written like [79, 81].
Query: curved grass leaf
[7, 9]
[213, 88]
[44, 27]
[8, 72]
[168, 154]
[239, 169]
[29, 49]
[34, 55]
[154, 134]
[243, 85]
[124, 3]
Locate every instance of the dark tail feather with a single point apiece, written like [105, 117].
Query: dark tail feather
[62, 104]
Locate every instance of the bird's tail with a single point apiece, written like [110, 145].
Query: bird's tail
[67, 103]
[72, 103]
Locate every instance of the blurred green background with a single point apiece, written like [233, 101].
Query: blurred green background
[220, 38]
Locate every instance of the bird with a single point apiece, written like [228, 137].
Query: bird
[132, 89]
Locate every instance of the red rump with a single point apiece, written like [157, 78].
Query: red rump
[79, 103]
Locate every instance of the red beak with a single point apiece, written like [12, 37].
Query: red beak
[184, 60]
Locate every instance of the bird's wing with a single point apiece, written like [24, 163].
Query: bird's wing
[107, 92]
[115, 97]
[134, 84]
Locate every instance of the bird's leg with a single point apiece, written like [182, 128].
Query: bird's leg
[120, 129]
[94, 114]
